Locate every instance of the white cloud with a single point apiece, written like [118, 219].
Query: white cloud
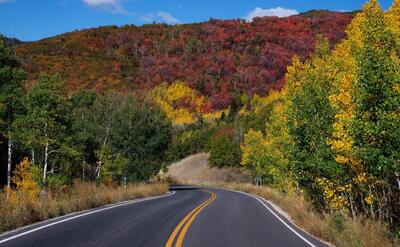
[279, 11]
[168, 18]
[113, 5]
[160, 16]
[101, 3]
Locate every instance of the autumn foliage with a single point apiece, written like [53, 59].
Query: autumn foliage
[214, 57]
[337, 139]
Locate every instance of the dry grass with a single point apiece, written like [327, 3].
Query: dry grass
[195, 170]
[337, 229]
[21, 211]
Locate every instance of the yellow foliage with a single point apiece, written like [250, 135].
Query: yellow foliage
[393, 20]
[24, 179]
[335, 194]
[258, 103]
[294, 75]
[212, 116]
[369, 199]
[181, 103]
[266, 154]
[343, 59]
[253, 147]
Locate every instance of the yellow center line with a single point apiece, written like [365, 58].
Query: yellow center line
[189, 218]
[190, 221]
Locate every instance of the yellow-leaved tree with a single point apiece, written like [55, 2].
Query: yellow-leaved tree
[25, 179]
[266, 155]
[393, 20]
[181, 104]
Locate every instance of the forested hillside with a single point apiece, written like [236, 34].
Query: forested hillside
[214, 57]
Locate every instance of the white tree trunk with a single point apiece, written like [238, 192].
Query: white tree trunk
[33, 156]
[9, 162]
[102, 150]
[83, 170]
[46, 155]
[353, 213]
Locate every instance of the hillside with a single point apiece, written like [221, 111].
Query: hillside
[195, 169]
[215, 57]
[11, 41]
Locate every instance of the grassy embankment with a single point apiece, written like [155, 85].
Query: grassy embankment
[22, 210]
[337, 229]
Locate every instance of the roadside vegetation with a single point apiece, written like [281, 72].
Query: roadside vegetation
[336, 228]
[29, 204]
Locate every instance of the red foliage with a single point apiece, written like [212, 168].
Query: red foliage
[215, 57]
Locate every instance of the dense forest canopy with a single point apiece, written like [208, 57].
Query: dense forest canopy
[214, 57]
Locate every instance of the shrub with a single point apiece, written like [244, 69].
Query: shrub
[224, 149]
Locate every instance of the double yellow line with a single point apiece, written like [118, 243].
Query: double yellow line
[184, 225]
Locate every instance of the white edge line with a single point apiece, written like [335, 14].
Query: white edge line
[84, 214]
[278, 217]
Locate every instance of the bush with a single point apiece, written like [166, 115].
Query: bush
[224, 149]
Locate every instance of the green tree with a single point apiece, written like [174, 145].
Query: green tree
[310, 117]
[141, 134]
[125, 128]
[224, 148]
[375, 128]
[12, 76]
[100, 121]
[83, 139]
[46, 124]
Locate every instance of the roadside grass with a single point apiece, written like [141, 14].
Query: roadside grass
[21, 210]
[337, 229]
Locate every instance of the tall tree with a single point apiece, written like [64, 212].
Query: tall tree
[376, 125]
[130, 137]
[100, 122]
[46, 123]
[83, 139]
[310, 117]
[11, 93]
[376, 129]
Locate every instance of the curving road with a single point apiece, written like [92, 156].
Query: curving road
[188, 216]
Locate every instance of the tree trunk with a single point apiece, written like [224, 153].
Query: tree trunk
[46, 156]
[102, 150]
[397, 179]
[83, 170]
[353, 214]
[9, 162]
[33, 156]
[98, 171]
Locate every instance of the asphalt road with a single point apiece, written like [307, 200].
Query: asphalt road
[198, 217]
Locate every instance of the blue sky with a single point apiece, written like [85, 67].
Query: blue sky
[37, 19]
